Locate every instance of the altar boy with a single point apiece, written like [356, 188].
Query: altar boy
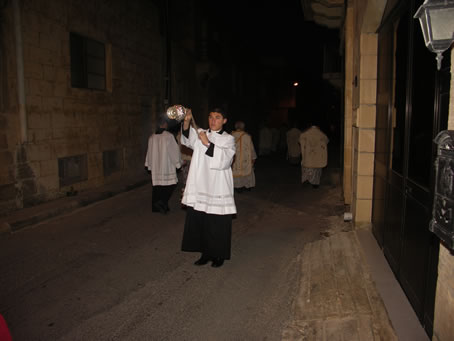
[209, 190]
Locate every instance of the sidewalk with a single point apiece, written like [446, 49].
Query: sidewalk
[337, 299]
[347, 290]
[29, 216]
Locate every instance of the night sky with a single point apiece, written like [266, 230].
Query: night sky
[273, 28]
[272, 37]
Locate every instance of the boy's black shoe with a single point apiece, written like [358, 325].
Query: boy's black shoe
[202, 260]
[217, 262]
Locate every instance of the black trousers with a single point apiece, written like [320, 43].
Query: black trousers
[160, 196]
[210, 234]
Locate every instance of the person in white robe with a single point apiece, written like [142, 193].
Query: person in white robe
[208, 194]
[293, 146]
[274, 139]
[162, 159]
[314, 155]
[243, 164]
[265, 140]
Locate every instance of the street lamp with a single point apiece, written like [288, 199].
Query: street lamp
[437, 23]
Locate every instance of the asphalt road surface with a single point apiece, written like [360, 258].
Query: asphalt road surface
[114, 270]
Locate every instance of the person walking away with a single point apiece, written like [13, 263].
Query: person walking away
[243, 164]
[162, 159]
[265, 140]
[274, 139]
[314, 153]
[293, 146]
[209, 190]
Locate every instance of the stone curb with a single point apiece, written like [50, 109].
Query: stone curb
[11, 224]
[34, 219]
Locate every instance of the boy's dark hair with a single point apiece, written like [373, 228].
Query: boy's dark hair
[221, 111]
[162, 120]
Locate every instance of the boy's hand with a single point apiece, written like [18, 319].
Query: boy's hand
[203, 137]
[187, 119]
[188, 116]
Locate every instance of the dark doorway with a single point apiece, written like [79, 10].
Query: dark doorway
[411, 110]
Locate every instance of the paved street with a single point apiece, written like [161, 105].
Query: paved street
[114, 271]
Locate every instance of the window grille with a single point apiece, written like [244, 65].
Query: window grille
[72, 169]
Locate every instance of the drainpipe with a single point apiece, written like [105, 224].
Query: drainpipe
[20, 72]
[168, 76]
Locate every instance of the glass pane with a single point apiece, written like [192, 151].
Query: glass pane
[422, 112]
[400, 96]
[384, 95]
[442, 21]
[96, 82]
[96, 66]
[77, 61]
[95, 49]
[382, 144]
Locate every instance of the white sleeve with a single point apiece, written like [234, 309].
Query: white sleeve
[223, 154]
[191, 140]
[174, 152]
[302, 144]
[149, 157]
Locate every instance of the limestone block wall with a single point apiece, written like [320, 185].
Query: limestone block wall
[348, 103]
[360, 107]
[64, 121]
[364, 130]
[444, 299]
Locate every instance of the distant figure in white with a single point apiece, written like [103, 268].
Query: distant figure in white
[265, 140]
[274, 139]
[314, 153]
[293, 146]
[245, 156]
[162, 159]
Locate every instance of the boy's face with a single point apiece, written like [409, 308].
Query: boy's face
[216, 121]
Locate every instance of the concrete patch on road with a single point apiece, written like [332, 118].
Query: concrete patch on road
[337, 299]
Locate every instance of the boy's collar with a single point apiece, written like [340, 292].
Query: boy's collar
[219, 131]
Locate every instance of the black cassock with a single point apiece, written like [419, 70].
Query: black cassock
[160, 197]
[210, 234]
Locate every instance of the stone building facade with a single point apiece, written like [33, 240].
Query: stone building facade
[82, 83]
[399, 217]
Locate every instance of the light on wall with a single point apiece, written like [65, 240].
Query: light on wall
[437, 23]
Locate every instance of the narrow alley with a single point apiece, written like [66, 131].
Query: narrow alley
[114, 270]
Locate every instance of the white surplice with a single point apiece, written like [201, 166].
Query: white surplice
[209, 186]
[314, 152]
[163, 158]
[243, 166]
[314, 149]
[265, 141]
